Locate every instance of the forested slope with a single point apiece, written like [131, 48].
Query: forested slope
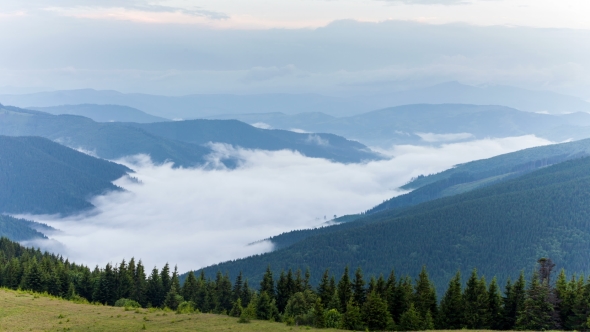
[40, 176]
[179, 142]
[499, 229]
[103, 113]
[20, 229]
[237, 133]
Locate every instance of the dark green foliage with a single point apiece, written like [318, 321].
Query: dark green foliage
[319, 319]
[358, 289]
[40, 176]
[452, 305]
[375, 313]
[514, 296]
[494, 306]
[352, 318]
[475, 310]
[410, 320]
[344, 291]
[546, 212]
[537, 310]
[425, 295]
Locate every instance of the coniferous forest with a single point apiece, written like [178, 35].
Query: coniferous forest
[348, 300]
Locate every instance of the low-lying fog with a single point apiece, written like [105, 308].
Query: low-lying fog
[197, 217]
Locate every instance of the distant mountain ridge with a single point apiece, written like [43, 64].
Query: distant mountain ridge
[103, 113]
[163, 142]
[430, 124]
[198, 106]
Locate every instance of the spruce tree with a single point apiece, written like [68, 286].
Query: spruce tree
[165, 277]
[236, 292]
[319, 321]
[494, 306]
[190, 287]
[424, 295]
[344, 289]
[410, 320]
[537, 310]
[358, 288]
[352, 318]
[451, 306]
[33, 277]
[402, 298]
[475, 303]
[140, 285]
[375, 313]
[267, 285]
[324, 291]
[283, 292]
[154, 289]
[513, 302]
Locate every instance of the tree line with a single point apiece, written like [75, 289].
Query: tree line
[351, 301]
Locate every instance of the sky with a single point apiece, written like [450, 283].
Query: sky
[334, 47]
[198, 217]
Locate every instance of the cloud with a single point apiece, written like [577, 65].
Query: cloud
[430, 2]
[261, 125]
[317, 140]
[431, 137]
[197, 217]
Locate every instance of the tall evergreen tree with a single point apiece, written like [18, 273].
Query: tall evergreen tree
[267, 285]
[165, 278]
[236, 292]
[537, 310]
[344, 290]
[475, 303]
[358, 288]
[375, 313]
[513, 302]
[451, 306]
[155, 290]
[425, 295]
[190, 287]
[140, 285]
[324, 291]
[494, 306]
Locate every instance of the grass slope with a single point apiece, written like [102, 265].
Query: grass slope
[500, 229]
[25, 311]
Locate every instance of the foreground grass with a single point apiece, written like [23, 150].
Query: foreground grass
[23, 311]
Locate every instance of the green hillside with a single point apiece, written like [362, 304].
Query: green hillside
[20, 229]
[42, 177]
[500, 229]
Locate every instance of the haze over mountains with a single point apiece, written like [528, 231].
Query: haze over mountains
[199, 106]
[118, 140]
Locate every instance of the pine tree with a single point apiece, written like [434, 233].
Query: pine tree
[267, 285]
[537, 310]
[410, 320]
[425, 295]
[140, 285]
[451, 306]
[402, 298]
[236, 309]
[513, 302]
[223, 290]
[324, 291]
[266, 308]
[33, 277]
[283, 292]
[358, 288]
[344, 291]
[236, 292]
[165, 277]
[190, 287]
[155, 290]
[352, 319]
[494, 306]
[375, 313]
[475, 303]
[173, 299]
[246, 296]
[319, 321]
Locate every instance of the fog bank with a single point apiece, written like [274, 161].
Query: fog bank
[201, 216]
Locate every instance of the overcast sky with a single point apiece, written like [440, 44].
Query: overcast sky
[324, 46]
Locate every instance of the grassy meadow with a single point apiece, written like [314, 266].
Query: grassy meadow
[25, 311]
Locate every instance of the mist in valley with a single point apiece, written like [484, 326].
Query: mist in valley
[195, 217]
